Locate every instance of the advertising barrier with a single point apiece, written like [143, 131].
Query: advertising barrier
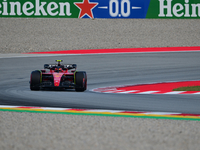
[166, 9]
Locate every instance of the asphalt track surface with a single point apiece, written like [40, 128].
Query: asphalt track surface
[102, 71]
[56, 131]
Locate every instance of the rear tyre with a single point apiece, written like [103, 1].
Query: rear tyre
[81, 81]
[35, 80]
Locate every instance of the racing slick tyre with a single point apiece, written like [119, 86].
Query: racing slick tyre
[80, 81]
[35, 80]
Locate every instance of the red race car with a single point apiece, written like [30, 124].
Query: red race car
[59, 76]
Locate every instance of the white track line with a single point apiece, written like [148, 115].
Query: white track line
[128, 91]
[148, 92]
[49, 55]
[174, 92]
[197, 93]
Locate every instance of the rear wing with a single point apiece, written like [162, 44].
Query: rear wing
[70, 66]
[63, 66]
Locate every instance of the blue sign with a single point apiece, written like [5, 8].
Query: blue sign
[119, 8]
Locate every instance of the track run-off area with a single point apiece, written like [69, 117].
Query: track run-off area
[118, 71]
[154, 88]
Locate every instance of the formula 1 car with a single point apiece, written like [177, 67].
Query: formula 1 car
[59, 76]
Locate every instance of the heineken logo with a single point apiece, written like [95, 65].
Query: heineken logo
[100, 8]
[185, 9]
[36, 8]
[86, 8]
[46, 8]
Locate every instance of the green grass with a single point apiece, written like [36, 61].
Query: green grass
[188, 88]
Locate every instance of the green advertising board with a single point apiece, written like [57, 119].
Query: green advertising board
[39, 8]
[166, 9]
[174, 9]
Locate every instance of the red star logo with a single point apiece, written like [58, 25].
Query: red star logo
[86, 8]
